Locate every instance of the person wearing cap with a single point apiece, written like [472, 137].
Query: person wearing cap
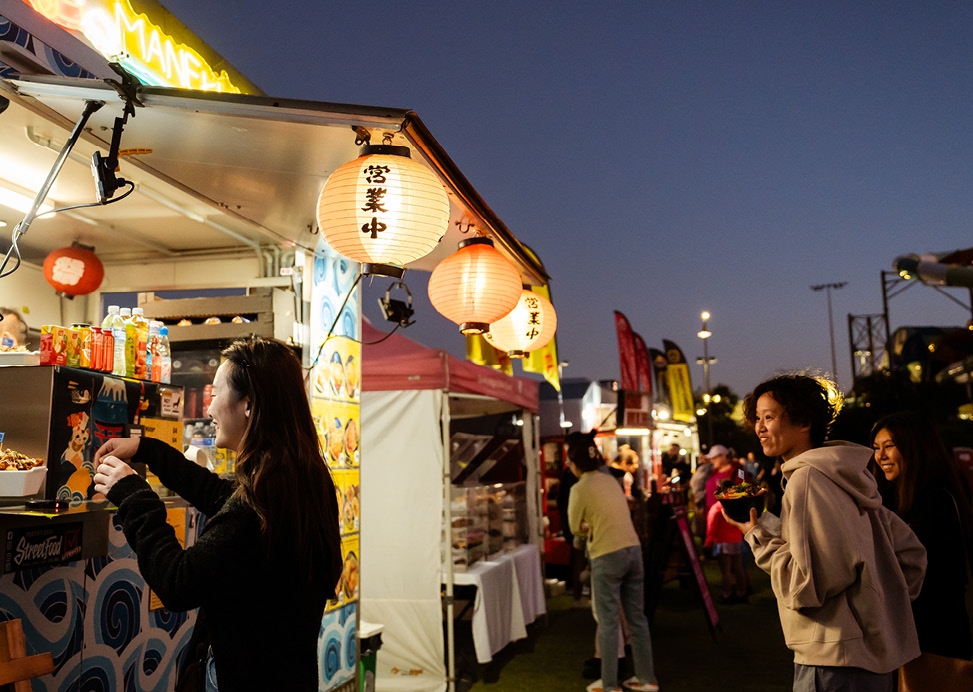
[598, 510]
[725, 542]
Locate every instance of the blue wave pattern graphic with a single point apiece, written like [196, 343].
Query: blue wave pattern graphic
[338, 647]
[94, 618]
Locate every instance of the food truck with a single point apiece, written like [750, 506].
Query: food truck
[206, 199]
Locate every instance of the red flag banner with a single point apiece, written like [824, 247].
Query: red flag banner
[680, 387]
[642, 366]
[626, 352]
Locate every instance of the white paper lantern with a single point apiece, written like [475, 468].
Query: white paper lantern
[383, 209]
[528, 327]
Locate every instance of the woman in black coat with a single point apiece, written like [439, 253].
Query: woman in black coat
[920, 481]
[269, 556]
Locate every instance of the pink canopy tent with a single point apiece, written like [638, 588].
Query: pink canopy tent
[410, 394]
[398, 363]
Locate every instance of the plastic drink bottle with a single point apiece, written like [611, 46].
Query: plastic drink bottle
[118, 334]
[141, 344]
[108, 349]
[131, 342]
[152, 364]
[165, 356]
[107, 322]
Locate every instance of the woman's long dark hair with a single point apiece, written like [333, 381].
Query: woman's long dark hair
[926, 462]
[280, 470]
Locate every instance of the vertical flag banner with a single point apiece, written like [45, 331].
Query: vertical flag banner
[680, 387]
[643, 368]
[479, 351]
[544, 360]
[658, 360]
[626, 352]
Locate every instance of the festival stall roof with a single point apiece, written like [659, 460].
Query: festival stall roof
[398, 363]
[213, 173]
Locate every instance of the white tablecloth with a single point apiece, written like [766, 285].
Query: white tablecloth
[509, 596]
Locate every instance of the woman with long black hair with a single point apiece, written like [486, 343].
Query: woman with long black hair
[919, 481]
[269, 556]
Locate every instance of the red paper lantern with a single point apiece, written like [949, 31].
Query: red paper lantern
[475, 286]
[74, 271]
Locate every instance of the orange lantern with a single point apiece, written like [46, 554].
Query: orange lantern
[529, 326]
[74, 271]
[475, 286]
[383, 209]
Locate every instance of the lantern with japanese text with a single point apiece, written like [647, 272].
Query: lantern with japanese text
[383, 209]
[529, 326]
[74, 271]
[475, 286]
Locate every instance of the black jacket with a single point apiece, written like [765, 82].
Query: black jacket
[261, 620]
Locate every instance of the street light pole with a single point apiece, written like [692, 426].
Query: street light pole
[827, 288]
[706, 361]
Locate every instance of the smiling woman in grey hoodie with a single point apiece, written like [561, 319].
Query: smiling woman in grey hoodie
[844, 569]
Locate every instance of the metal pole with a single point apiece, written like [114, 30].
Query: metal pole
[834, 360]
[709, 409]
[827, 288]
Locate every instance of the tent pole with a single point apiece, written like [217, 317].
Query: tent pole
[448, 541]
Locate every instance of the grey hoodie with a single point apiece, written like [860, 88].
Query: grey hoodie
[844, 569]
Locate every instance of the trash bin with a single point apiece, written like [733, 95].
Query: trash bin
[369, 642]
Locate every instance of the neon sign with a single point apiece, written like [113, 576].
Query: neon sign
[122, 35]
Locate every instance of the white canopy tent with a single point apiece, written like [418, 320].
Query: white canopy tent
[409, 395]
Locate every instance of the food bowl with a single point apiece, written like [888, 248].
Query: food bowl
[737, 504]
[22, 483]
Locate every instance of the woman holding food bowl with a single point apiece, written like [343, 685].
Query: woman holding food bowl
[844, 569]
[271, 540]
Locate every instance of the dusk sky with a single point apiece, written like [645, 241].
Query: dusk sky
[665, 158]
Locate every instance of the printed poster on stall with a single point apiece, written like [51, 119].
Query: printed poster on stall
[335, 388]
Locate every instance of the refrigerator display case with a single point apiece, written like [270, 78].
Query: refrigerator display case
[488, 498]
[61, 415]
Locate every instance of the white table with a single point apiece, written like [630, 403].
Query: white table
[509, 596]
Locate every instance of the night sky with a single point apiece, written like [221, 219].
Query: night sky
[665, 158]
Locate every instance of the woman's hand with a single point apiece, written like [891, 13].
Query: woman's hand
[108, 471]
[123, 448]
[743, 526]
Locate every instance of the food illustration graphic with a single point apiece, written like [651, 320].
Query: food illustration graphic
[351, 441]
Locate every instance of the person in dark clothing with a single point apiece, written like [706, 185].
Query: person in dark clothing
[269, 556]
[577, 557]
[919, 481]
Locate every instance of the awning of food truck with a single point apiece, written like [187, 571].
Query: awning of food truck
[214, 173]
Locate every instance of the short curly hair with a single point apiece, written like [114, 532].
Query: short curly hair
[806, 400]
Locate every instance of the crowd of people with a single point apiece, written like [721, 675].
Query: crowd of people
[868, 549]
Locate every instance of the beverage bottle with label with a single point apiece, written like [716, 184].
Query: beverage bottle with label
[118, 334]
[165, 356]
[131, 342]
[107, 322]
[141, 343]
[108, 349]
[153, 365]
[108, 345]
